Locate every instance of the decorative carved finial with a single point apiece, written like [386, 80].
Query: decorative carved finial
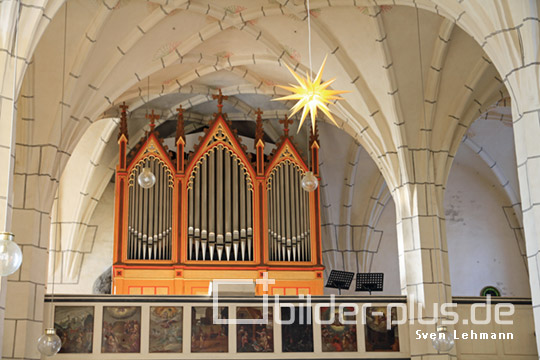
[259, 132]
[152, 117]
[180, 124]
[123, 121]
[286, 122]
[314, 135]
[220, 99]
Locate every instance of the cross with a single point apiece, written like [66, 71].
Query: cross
[124, 107]
[180, 124]
[259, 133]
[152, 117]
[123, 122]
[220, 99]
[286, 123]
[258, 113]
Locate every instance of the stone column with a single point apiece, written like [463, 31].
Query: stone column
[8, 12]
[524, 85]
[34, 186]
[422, 249]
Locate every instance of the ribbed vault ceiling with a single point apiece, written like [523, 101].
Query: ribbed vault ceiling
[163, 54]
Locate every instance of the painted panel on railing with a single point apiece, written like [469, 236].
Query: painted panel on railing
[335, 335]
[75, 326]
[206, 336]
[166, 326]
[378, 337]
[255, 337]
[121, 329]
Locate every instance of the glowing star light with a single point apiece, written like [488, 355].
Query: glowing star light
[311, 95]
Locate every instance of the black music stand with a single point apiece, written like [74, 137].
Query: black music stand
[340, 280]
[369, 282]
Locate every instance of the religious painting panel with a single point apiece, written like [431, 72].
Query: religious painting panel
[296, 329]
[206, 336]
[166, 329]
[121, 329]
[75, 326]
[337, 335]
[381, 336]
[258, 334]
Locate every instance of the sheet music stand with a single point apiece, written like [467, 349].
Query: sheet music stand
[340, 280]
[369, 282]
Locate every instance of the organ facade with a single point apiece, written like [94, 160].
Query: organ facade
[215, 214]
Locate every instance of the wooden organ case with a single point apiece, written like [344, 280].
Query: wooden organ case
[214, 215]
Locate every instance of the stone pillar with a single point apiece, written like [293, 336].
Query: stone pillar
[526, 117]
[423, 254]
[34, 186]
[8, 12]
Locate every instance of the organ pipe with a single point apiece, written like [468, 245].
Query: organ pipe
[227, 207]
[211, 205]
[235, 206]
[220, 206]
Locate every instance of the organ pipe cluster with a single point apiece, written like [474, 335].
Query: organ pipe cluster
[220, 208]
[288, 214]
[150, 213]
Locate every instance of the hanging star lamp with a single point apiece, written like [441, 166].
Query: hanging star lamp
[312, 95]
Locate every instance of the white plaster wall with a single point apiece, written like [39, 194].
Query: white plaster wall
[482, 247]
[355, 237]
[100, 234]
[386, 258]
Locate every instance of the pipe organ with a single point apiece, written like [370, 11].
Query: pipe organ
[213, 214]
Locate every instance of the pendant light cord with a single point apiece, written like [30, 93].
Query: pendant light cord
[309, 37]
[308, 151]
[310, 75]
[58, 234]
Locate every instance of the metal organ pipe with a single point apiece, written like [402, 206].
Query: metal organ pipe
[235, 205]
[191, 220]
[283, 209]
[161, 214]
[294, 209]
[249, 218]
[227, 207]
[270, 220]
[139, 214]
[242, 205]
[211, 205]
[276, 216]
[152, 232]
[200, 198]
[302, 214]
[220, 208]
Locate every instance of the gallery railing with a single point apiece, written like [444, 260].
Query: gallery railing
[167, 327]
[157, 327]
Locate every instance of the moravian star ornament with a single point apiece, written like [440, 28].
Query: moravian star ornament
[311, 96]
